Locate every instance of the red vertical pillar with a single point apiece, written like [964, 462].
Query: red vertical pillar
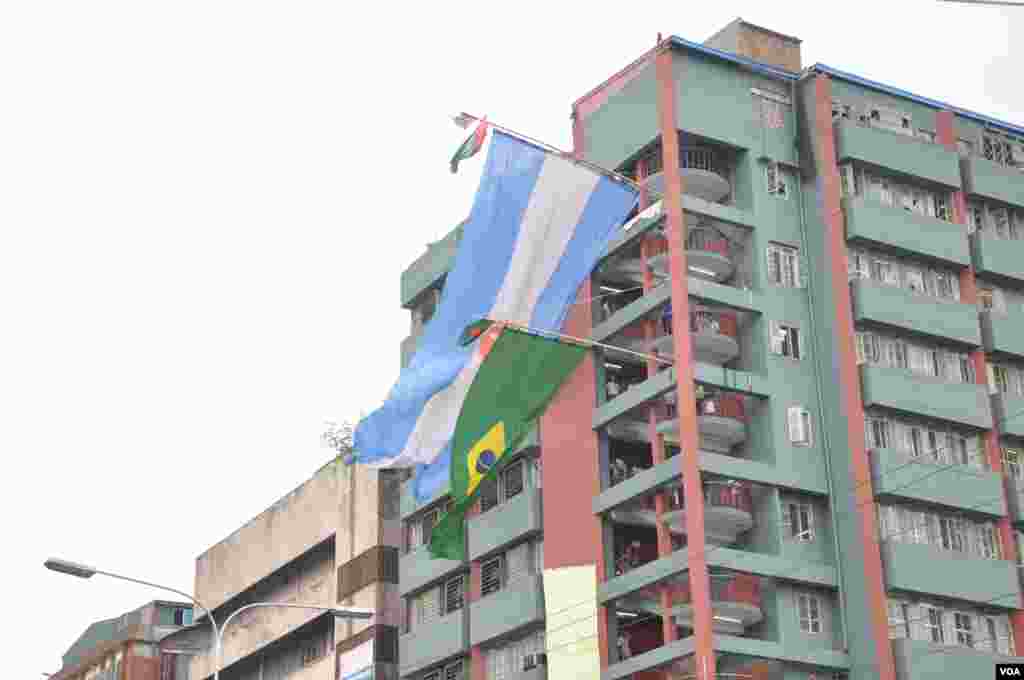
[849, 375]
[686, 401]
[570, 464]
[946, 135]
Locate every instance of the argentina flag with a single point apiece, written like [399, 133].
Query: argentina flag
[539, 224]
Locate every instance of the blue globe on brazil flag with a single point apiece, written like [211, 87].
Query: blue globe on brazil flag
[485, 461]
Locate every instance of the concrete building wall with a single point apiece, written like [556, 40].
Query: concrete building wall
[310, 580]
[300, 520]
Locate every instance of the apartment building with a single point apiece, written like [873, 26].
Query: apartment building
[817, 473]
[125, 647]
[331, 542]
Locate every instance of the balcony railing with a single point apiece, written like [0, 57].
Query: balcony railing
[707, 240]
[699, 159]
[723, 406]
[739, 588]
[723, 323]
[717, 495]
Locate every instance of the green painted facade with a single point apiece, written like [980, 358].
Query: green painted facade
[928, 570]
[901, 390]
[893, 307]
[1008, 410]
[507, 523]
[897, 475]
[998, 258]
[920, 660]
[983, 177]
[872, 223]
[819, 472]
[442, 639]
[511, 609]
[897, 153]
[1002, 332]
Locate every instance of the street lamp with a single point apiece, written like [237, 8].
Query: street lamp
[84, 571]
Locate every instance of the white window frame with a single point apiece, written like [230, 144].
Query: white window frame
[776, 180]
[802, 531]
[963, 629]
[799, 426]
[899, 619]
[784, 265]
[781, 336]
[932, 622]
[809, 614]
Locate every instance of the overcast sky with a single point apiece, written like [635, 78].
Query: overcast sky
[206, 207]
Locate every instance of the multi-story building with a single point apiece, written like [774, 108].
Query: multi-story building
[817, 475]
[126, 647]
[332, 542]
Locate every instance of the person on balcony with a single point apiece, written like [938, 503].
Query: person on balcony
[666, 320]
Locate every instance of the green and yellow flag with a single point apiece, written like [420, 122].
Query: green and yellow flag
[519, 374]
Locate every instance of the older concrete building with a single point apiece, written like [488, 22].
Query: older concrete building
[124, 648]
[330, 542]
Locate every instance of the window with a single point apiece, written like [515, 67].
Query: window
[1012, 462]
[454, 671]
[988, 545]
[538, 556]
[772, 110]
[424, 608]
[899, 622]
[488, 494]
[809, 608]
[878, 433]
[992, 299]
[512, 479]
[799, 423]
[182, 616]
[776, 179]
[800, 520]
[932, 623]
[784, 340]
[492, 575]
[962, 629]
[784, 266]
[454, 594]
[515, 657]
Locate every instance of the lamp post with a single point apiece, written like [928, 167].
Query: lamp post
[84, 571]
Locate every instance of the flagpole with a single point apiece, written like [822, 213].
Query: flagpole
[579, 341]
[553, 149]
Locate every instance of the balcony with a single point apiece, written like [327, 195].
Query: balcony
[894, 474]
[901, 153]
[430, 267]
[983, 177]
[1015, 500]
[899, 308]
[519, 604]
[710, 255]
[903, 391]
[430, 644]
[1001, 332]
[712, 335]
[735, 601]
[920, 660]
[704, 174]
[418, 569]
[1008, 411]
[505, 523]
[1001, 259]
[721, 423]
[912, 234]
[728, 512]
[928, 570]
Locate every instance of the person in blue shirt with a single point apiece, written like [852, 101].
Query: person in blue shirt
[666, 319]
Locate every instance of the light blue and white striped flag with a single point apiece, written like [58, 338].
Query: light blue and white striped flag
[539, 225]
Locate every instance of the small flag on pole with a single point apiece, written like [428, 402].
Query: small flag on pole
[471, 146]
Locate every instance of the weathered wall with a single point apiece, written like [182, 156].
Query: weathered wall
[304, 518]
[312, 581]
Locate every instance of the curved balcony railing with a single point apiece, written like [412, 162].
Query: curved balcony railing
[723, 406]
[707, 240]
[717, 495]
[699, 159]
[738, 588]
[706, 321]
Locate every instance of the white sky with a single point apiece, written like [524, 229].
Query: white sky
[206, 207]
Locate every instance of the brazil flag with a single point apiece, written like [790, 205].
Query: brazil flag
[519, 374]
